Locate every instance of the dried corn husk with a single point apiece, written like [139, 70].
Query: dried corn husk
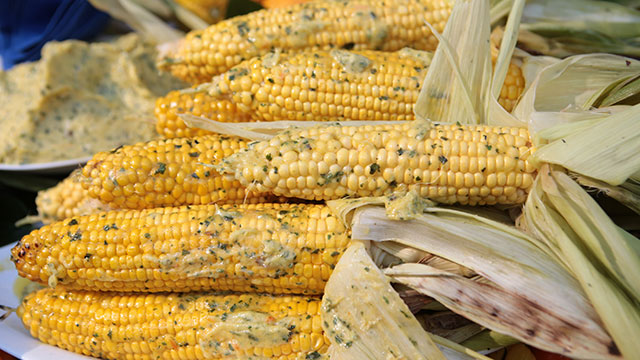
[529, 294]
[602, 256]
[378, 325]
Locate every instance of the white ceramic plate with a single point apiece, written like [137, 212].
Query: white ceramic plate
[14, 338]
[54, 167]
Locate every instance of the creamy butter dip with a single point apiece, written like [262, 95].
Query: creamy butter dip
[79, 99]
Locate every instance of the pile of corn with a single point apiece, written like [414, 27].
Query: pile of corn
[222, 250]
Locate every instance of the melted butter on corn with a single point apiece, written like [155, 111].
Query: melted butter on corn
[471, 165]
[275, 248]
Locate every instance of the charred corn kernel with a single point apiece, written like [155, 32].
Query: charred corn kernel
[67, 199]
[387, 25]
[168, 172]
[210, 11]
[175, 326]
[474, 165]
[168, 107]
[330, 86]
[246, 248]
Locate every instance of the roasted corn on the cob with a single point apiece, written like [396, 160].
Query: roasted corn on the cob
[67, 199]
[176, 326]
[387, 25]
[272, 248]
[210, 11]
[202, 104]
[474, 165]
[319, 85]
[170, 172]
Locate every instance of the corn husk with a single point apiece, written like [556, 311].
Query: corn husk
[627, 194]
[525, 283]
[460, 85]
[593, 252]
[626, 92]
[379, 324]
[265, 130]
[376, 326]
[571, 27]
[565, 91]
[140, 18]
[452, 78]
[489, 339]
[605, 150]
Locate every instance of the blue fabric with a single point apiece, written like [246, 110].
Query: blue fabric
[26, 25]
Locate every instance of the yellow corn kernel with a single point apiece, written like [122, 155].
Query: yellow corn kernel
[180, 326]
[316, 25]
[168, 107]
[271, 248]
[470, 165]
[67, 199]
[320, 86]
[168, 172]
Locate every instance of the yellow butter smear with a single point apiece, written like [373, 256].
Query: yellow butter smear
[244, 330]
[80, 99]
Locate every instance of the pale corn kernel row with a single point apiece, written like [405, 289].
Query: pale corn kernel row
[175, 326]
[270, 248]
[68, 198]
[202, 104]
[470, 165]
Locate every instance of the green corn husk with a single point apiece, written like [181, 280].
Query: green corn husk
[489, 339]
[626, 93]
[601, 256]
[573, 27]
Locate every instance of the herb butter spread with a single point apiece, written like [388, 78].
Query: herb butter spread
[80, 99]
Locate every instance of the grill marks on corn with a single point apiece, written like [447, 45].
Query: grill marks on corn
[274, 248]
[153, 326]
[168, 172]
[473, 165]
[318, 25]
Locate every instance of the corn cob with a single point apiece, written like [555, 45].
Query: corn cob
[210, 11]
[387, 25]
[67, 199]
[166, 173]
[279, 3]
[474, 165]
[176, 326]
[202, 104]
[319, 86]
[272, 248]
